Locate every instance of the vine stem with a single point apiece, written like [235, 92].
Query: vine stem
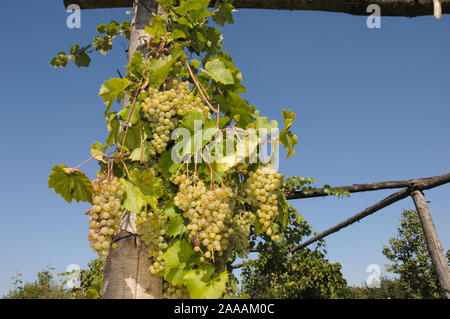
[200, 88]
[84, 163]
[129, 115]
[126, 169]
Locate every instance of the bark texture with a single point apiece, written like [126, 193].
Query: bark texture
[404, 8]
[423, 183]
[126, 272]
[433, 243]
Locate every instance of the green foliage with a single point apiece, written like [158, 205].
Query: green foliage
[304, 274]
[70, 183]
[298, 184]
[48, 287]
[113, 89]
[389, 289]
[91, 279]
[80, 55]
[45, 287]
[410, 259]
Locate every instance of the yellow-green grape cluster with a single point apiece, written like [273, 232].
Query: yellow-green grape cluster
[105, 214]
[209, 215]
[240, 239]
[174, 292]
[264, 185]
[150, 226]
[161, 108]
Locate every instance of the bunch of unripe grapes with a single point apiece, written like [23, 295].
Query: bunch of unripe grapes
[150, 226]
[174, 292]
[104, 216]
[209, 213]
[240, 239]
[162, 107]
[264, 184]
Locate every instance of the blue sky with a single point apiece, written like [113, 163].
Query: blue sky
[371, 104]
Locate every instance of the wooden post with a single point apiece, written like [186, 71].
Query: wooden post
[433, 244]
[126, 272]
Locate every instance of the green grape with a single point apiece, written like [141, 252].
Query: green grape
[240, 238]
[162, 108]
[151, 226]
[174, 292]
[209, 213]
[104, 216]
[264, 185]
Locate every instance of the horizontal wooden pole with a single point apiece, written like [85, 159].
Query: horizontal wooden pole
[421, 184]
[355, 188]
[404, 8]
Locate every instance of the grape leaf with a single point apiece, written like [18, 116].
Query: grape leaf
[144, 189]
[218, 71]
[136, 67]
[176, 222]
[166, 165]
[112, 89]
[191, 5]
[70, 183]
[179, 259]
[201, 286]
[149, 184]
[189, 120]
[160, 68]
[113, 126]
[134, 200]
[136, 154]
[97, 152]
[124, 113]
[288, 138]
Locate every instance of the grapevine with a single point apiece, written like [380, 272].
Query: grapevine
[198, 213]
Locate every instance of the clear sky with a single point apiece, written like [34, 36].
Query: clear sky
[372, 105]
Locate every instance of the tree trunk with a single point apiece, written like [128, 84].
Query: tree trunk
[433, 244]
[126, 272]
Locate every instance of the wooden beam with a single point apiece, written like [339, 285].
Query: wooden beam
[433, 243]
[421, 184]
[404, 8]
[356, 188]
[366, 212]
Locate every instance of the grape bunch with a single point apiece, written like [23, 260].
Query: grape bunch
[209, 213]
[104, 216]
[264, 185]
[240, 238]
[151, 227]
[161, 109]
[174, 292]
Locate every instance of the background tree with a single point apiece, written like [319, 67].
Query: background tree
[409, 254]
[278, 273]
[390, 288]
[45, 287]
[48, 287]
